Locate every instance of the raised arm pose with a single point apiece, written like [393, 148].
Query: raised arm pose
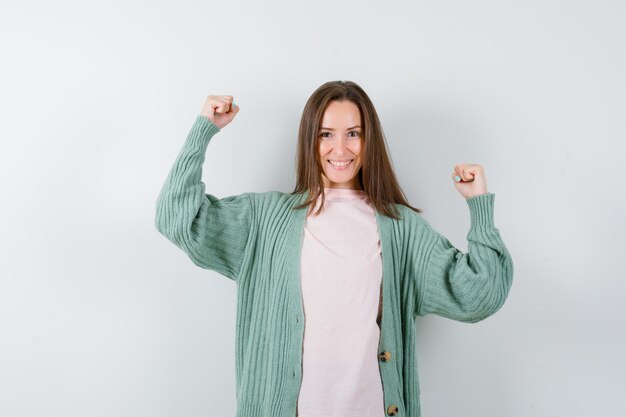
[332, 276]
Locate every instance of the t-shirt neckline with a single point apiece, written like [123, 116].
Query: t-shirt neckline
[335, 194]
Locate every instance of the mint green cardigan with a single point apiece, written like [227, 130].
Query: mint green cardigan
[255, 240]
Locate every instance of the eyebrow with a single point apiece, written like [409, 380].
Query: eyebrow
[328, 128]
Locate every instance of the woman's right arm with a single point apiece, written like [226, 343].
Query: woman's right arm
[213, 232]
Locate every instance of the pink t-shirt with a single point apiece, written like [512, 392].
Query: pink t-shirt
[341, 272]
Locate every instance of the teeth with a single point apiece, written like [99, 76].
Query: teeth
[340, 164]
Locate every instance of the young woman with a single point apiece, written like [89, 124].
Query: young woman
[331, 277]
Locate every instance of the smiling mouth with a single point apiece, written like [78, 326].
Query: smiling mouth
[340, 166]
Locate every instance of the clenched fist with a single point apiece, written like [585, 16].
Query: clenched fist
[220, 110]
[469, 180]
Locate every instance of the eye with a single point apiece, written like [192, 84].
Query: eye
[324, 137]
[356, 134]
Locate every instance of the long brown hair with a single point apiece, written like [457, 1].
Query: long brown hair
[376, 176]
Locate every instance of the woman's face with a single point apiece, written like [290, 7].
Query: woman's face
[341, 145]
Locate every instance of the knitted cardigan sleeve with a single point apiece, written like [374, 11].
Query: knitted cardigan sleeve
[213, 232]
[466, 287]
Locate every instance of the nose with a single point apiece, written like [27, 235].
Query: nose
[341, 146]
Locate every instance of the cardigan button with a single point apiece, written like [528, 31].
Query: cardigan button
[385, 356]
[392, 410]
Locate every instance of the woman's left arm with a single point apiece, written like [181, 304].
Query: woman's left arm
[466, 287]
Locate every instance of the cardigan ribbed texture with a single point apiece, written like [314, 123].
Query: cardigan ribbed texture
[255, 240]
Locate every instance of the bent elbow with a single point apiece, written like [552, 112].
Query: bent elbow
[167, 220]
[494, 296]
[490, 307]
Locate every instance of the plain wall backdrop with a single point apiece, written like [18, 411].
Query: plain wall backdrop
[100, 315]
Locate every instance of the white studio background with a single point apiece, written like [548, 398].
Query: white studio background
[100, 315]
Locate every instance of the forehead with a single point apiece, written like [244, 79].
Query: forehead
[341, 114]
